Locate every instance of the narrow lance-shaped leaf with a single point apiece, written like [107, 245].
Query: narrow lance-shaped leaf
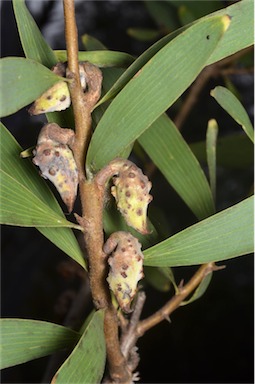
[194, 9]
[185, 15]
[102, 58]
[173, 157]
[211, 140]
[25, 177]
[200, 289]
[25, 340]
[34, 45]
[154, 89]
[232, 105]
[86, 363]
[161, 12]
[222, 236]
[65, 240]
[241, 21]
[234, 151]
[20, 206]
[90, 43]
[160, 278]
[143, 34]
[22, 81]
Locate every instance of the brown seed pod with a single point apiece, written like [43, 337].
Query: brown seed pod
[131, 192]
[126, 267]
[56, 162]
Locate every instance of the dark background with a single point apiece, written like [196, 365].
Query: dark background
[209, 341]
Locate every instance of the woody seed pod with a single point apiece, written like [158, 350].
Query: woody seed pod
[56, 98]
[131, 192]
[56, 162]
[126, 267]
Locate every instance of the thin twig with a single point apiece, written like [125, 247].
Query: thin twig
[127, 341]
[237, 71]
[193, 94]
[164, 312]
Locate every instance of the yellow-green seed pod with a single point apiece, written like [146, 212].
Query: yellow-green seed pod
[131, 192]
[57, 98]
[126, 267]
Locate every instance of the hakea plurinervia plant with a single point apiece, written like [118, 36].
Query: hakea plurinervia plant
[126, 267]
[57, 98]
[131, 192]
[56, 162]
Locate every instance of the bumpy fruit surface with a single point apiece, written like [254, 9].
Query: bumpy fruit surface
[126, 267]
[56, 162]
[131, 192]
[57, 98]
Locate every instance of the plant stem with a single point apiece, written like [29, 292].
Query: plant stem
[92, 204]
[82, 116]
[92, 197]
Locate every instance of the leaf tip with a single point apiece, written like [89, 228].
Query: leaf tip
[226, 20]
[212, 92]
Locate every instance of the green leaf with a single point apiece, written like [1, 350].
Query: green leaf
[20, 206]
[234, 151]
[35, 47]
[185, 14]
[65, 240]
[201, 289]
[143, 34]
[63, 118]
[160, 278]
[232, 105]
[102, 58]
[22, 81]
[240, 33]
[173, 157]
[110, 76]
[235, 39]
[163, 13]
[155, 88]
[33, 43]
[222, 236]
[197, 8]
[86, 363]
[24, 178]
[24, 340]
[211, 141]
[91, 43]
